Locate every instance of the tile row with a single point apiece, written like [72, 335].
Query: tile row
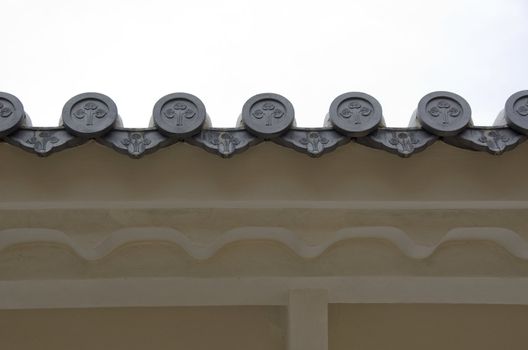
[182, 117]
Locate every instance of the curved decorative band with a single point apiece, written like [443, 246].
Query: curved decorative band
[509, 240]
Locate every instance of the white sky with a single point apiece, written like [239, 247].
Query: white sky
[226, 51]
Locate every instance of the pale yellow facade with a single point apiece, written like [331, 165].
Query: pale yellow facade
[271, 249]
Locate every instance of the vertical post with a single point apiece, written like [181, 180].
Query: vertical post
[308, 319]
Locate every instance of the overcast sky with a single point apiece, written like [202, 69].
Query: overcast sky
[226, 51]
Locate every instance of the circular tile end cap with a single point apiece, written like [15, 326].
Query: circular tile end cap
[89, 115]
[12, 113]
[355, 114]
[516, 111]
[179, 115]
[443, 113]
[268, 115]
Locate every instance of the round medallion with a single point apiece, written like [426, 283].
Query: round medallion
[268, 115]
[89, 114]
[12, 113]
[355, 114]
[516, 111]
[443, 113]
[180, 114]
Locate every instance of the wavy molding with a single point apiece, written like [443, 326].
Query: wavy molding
[509, 240]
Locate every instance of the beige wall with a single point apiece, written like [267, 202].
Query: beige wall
[206, 239]
[187, 328]
[267, 172]
[427, 327]
[351, 327]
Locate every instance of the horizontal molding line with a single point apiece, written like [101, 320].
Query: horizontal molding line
[155, 292]
[509, 240]
[264, 204]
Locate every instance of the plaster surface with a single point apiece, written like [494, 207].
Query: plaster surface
[183, 235]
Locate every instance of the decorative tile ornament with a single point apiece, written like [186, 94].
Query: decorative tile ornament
[135, 142]
[89, 115]
[43, 141]
[403, 142]
[224, 142]
[443, 113]
[268, 115]
[355, 114]
[314, 142]
[179, 115]
[495, 140]
[12, 113]
[516, 112]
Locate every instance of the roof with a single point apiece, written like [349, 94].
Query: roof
[181, 117]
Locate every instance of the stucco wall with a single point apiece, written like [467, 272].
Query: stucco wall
[206, 240]
[351, 326]
[186, 328]
[426, 326]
